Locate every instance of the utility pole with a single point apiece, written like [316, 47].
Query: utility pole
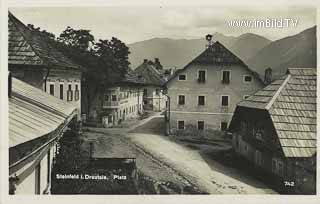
[167, 115]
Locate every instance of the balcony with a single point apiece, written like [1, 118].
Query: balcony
[201, 80]
[114, 104]
[224, 109]
[225, 81]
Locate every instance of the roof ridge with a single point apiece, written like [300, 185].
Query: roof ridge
[275, 96]
[25, 38]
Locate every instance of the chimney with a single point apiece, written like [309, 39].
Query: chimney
[268, 76]
[9, 85]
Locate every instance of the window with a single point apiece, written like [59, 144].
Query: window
[182, 77]
[245, 97]
[225, 100]
[244, 127]
[181, 125]
[224, 126]
[247, 78]
[225, 77]
[258, 158]
[145, 92]
[61, 91]
[258, 130]
[200, 125]
[76, 93]
[277, 167]
[52, 89]
[69, 93]
[201, 100]
[114, 97]
[157, 91]
[181, 100]
[202, 76]
[106, 97]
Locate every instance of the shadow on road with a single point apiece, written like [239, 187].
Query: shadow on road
[154, 126]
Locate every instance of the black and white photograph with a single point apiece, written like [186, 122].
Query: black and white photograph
[162, 100]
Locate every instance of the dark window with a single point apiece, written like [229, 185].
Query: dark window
[180, 125]
[61, 91]
[52, 89]
[225, 100]
[145, 92]
[201, 100]
[69, 93]
[76, 93]
[224, 126]
[106, 97]
[202, 76]
[247, 78]
[245, 96]
[181, 100]
[114, 97]
[157, 91]
[226, 77]
[200, 125]
[182, 77]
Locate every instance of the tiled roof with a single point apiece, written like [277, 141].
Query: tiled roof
[28, 47]
[34, 113]
[217, 54]
[131, 78]
[151, 75]
[291, 104]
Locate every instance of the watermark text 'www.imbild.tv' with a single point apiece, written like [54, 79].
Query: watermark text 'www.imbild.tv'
[263, 23]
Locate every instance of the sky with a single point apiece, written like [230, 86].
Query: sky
[132, 23]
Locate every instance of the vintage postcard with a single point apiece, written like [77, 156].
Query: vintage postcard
[162, 100]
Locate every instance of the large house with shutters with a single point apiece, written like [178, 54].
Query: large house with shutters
[275, 129]
[34, 59]
[203, 95]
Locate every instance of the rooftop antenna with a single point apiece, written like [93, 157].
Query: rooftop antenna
[209, 40]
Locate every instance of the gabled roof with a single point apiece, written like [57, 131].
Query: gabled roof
[291, 103]
[28, 47]
[151, 75]
[34, 113]
[217, 54]
[131, 78]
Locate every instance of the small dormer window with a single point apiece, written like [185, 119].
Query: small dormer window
[182, 77]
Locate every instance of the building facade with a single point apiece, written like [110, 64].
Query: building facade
[120, 103]
[36, 123]
[275, 129]
[34, 59]
[153, 96]
[203, 95]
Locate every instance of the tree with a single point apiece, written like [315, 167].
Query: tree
[41, 32]
[80, 39]
[114, 54]
[157, 64]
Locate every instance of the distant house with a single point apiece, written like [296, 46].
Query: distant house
[36, 122]
[121, 100]
[153, 98]
[275, 129]
[203, 95]
[35, 60]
